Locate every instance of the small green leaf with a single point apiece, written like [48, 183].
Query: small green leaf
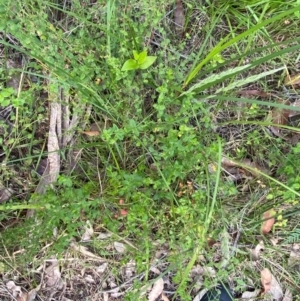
[4, 101]
[142, 57]
[148, 62]
[136, 55]
[130, 65]
[297, 13]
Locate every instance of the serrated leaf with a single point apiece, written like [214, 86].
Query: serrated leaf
[130, 65]
[135, 55]
[148, 62]
[142, 57]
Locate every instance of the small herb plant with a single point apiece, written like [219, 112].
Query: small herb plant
[140, 61]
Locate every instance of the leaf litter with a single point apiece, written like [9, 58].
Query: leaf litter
[271, 286]
[157, 290]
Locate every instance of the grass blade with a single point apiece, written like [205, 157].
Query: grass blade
[221, 45]
[249, 79]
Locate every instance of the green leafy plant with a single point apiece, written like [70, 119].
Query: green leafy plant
[158, 133]
[140, 61]
[5, 96]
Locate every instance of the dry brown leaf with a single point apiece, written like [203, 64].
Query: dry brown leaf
[103, 235]
[5, 193]
[292, 80]
[31, 295]
[256, 252]
[287, 296]
[120, 248]
[179, 18]
[117, 295]
[157, 290]
[280, 116]
[164, 297]
[200, 295]
[158, 286]
[209, 272]
[268, 221]
[89, 279]
[101, 269]
[294, 115]
[105, 297]
[88, 233]
[254, 168]
[249, 295]
[53, 275]
[266, 278]
[259, 93]
[91, 133]
[294, 259]
[130, 269]
[94, 130]
[274, 241]
[84, 251]
[270, 285]
[14, 289]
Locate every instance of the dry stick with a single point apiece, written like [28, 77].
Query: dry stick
[75, 155]
[59, 119]
[53, 166]
[53, 145]
[65, 119]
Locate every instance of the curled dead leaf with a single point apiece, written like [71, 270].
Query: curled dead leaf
[268, 221]
[200, 295]
[84, 251]
[53, 275]
[120, 248]
[89, 279]
[256, 252]
[287, 296]
[247, 93]
[104, 235]
[32, 294]
[250, 166]
[5, 193]
[271, 285]
[91, 133]
[94, 130]
[249, 295]
[14, 289]
[280, 116]
[88, 233]
[164, 297]
[157, 290]
[266, 278]
[101, 269]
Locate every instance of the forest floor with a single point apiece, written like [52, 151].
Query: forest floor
[149, 150]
